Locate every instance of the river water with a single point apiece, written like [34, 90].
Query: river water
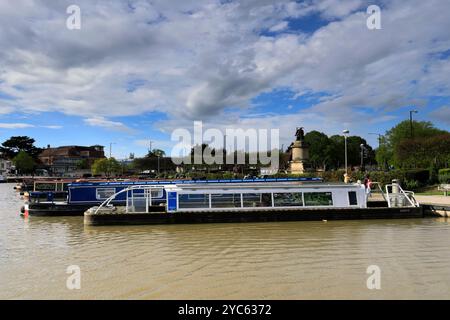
[288, 260]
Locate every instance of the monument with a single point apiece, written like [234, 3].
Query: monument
[299, 153]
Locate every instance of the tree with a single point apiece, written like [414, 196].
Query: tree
[156, 153]
[320, 154]
[11, 147]
[424, 152]
[106, 166]
[398, 140]
[83, 164]
[24, 162]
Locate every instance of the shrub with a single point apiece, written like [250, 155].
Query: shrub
[444, 175]
[411, 184]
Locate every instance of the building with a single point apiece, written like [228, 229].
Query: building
[68, 160]
[6, 167]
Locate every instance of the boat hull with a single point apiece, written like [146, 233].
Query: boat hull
[56, 209]
[251, 216]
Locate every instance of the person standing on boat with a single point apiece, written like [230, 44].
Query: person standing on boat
[367, 184]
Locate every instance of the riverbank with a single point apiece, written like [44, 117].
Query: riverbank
[433, 199]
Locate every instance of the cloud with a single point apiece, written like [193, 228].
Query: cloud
[199, 59]
[108, 124]
[441, 114]
[15, 125]
[279, 26]
[55, 127]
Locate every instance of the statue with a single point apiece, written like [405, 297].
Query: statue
[300, 134]
[299, 150]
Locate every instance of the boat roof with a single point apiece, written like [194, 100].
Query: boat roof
[259, 187]
[191, 182]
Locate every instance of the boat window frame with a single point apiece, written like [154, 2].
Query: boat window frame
[321, 205]
[100, 198]
[356, 198]
[260, 193]
[293, 206]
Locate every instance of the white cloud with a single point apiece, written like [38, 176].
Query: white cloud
[55, 127]
[441, 114]
[108, 124]
[194, 59]
[279, 26]
[15, 125]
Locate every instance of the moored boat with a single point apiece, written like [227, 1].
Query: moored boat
[250, 203]
[84, 195]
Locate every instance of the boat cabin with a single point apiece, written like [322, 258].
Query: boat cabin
[216, 198]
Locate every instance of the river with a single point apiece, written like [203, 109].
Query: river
[287, 260]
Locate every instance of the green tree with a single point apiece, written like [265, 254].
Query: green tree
[427, 152]
[320, 151]
[11, 147]
[106, 166]
[156, 153]
[24, 162]
[395, 144]
[83, 164]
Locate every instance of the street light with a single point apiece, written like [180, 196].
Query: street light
[411, 121]
[346, 132]
[110, 148]
[110, 156]
[362, 155]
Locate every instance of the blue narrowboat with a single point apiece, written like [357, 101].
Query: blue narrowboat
[84, 195]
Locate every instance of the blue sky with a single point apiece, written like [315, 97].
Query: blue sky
[137, 70]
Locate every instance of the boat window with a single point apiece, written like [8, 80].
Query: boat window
[352, 199]
[104, 193]
[157, 193]
[45, 186]
[291, 199]
[188, 201]
[257, 200]
[318, 199]
[226, 200]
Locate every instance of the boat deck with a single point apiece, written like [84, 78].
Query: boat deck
[120, 217]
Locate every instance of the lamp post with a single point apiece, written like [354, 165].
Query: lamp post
[411, 121]
[110, 156]
[346, 132]
[362, 156]
[346, 178]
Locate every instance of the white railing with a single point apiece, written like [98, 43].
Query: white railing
[147, 195]
[377, 184]
[399, 197]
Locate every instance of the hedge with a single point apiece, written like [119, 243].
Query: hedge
[444, 176]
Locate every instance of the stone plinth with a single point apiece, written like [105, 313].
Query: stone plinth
[300, 156]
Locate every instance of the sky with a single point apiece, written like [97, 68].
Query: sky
[137, 70]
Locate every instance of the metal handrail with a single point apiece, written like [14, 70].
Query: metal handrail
[409, 195]
[380, 188]
[107, 202]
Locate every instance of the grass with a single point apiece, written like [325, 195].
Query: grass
[429, 191]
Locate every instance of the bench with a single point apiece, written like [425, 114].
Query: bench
[445, 188]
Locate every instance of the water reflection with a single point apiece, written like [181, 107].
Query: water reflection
[288, 260]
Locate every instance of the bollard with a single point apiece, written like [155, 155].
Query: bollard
[396, 192]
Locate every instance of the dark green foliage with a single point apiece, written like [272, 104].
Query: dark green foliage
[444, 175]
[24, 162]
[11, 147]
